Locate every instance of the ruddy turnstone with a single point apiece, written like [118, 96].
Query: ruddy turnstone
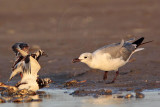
[19, 57]
[29, 68]
[111, 57]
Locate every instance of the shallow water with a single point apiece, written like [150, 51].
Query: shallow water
[57, 98]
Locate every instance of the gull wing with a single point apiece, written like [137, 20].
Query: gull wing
[117, 50]
[110, 49]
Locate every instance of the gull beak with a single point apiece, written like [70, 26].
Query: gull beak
[76, 60]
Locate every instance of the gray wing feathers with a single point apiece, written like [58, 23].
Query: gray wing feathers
[117, 50]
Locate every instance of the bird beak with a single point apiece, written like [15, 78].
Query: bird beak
[76, 60]
[44, 54]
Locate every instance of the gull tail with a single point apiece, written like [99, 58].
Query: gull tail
[139, 42]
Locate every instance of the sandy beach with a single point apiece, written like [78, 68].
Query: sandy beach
[65, 29]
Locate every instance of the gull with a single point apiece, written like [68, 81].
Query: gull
[111, 57]
[29, 68]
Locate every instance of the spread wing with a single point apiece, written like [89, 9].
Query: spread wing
[28, 66]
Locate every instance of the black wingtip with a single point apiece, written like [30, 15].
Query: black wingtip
[139, 41]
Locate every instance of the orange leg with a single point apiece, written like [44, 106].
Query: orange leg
[21, 74]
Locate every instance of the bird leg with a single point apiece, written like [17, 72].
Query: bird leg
[21, 74]
[117, 73]
[105, 75]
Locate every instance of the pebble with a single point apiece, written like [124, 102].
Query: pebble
[17, 100]
[2, 100]
[120, 96]
[139, 95]
[129, 89]
[41, 92]
[128, 96]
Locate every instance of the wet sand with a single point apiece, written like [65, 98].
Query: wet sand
[65, 29]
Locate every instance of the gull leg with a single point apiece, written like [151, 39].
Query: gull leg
[117, 73]
[105, 75]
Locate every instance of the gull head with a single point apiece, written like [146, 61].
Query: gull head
[85, 58]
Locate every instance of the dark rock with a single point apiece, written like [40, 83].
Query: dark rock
[17, 100]
[41, 93]
[120, 96]
[28, 99]
[2, 88]
[31, 92]
[128, 96]
[2, 100]
[129, 89]
[139, 95]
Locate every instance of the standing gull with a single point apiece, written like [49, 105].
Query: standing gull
[111, 57]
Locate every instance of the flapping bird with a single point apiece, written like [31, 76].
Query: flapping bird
[29, 68]
[25, 47]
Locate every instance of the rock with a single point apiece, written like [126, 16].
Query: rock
[128, 96]
[2, 88]
[22, 92]
[31, 92]
[8, 92]
[104, 92]
[7, 99]
[17, 100]
[28, 99]
[73, 83]
[139, 95]
[129, 89]
[120, 96]
[2, 100]
[41, 92]
[95, 96]
[108, 92]
[70, 83]
[37, 100]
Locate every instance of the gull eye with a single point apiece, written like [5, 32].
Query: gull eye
[85, 57]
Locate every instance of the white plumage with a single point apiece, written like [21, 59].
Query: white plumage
[29, 68]
[111, 57]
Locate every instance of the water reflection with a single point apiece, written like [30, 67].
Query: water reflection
[57, 98]
[104, 100]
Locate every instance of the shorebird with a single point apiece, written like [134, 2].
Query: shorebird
[29, 68]
[19, 57]
[25, 47]
[111, 57]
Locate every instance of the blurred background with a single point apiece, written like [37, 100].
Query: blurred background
[66, 28]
